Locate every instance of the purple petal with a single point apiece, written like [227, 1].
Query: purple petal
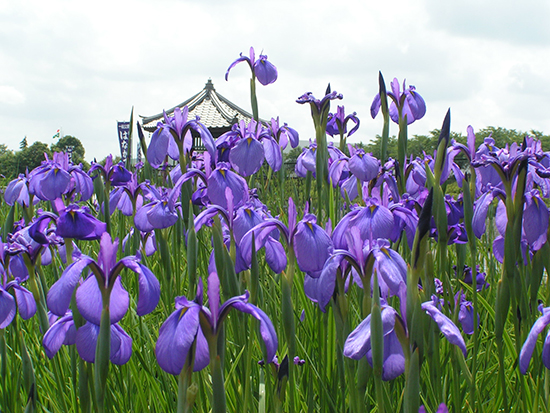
[214, 295]
[202, 352]
[79, 225]
[86, 341]
[546, 352]
[374, 221]
[480, 213]
[60, 293]
[160, 215]
[56, 335]
[529, 345]
[176, 335]
[53, 184]
[358, 342]
[240, 59]
[535, 221]
[247, 156]
[275, 255]
[273, 154]
[141, 219]
[149, 287]
[375, 106]
[7, 308]
[391, 267]
[223, 178]
[261, 232]
[158, 147]
[364, 166]
[25, 302]
[267, 331]
[17, 191]
[88, 300]
[121, 345]
[394, 358]
[466, 317]
[18, 268]
[312, 247]
[446, 326]
[265, 71]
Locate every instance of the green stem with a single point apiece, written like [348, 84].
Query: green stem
[103, 352]
[218, 386]
[254, 99]
[288, 322]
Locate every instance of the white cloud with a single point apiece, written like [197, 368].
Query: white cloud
[11, 96]
[83, 66]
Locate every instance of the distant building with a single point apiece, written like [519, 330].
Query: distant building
[216, 112]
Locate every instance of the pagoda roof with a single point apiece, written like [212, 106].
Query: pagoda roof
[215, 111]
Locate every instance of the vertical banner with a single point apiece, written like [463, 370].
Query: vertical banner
[138, 155]
[123, 139]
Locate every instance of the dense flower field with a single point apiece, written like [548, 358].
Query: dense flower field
[214, 281]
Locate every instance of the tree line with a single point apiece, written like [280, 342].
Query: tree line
[28, 157]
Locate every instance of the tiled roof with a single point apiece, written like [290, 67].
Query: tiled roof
[213, 109]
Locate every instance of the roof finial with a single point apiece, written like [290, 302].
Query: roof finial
[209, 85]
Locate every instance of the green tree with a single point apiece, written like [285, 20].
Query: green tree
[7, 162]
[31, 156]
[72, 145]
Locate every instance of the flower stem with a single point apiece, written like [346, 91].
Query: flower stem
[102, 354]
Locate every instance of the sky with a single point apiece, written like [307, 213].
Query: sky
[82, 66]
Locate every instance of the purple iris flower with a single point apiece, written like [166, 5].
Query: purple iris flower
[337, 122]
[58, 177]
[364, 166]
[529, 345]
[114, 174]
[358, 344]
[446, 326]
[466, 315]
[238, 222]
[374, 221]
[222, 178]
[310, 243]
[247, 146]
[162, 211]
[62, 331]
[21, 242]
[18, 191]
[416, 178]
[481, 282]
[505, 162]
[147, 241]
[73, 221]
[106, 270]
[535, 219]
[283, 134]
[307, 160]
[319, 106]
[360, 256]
[262, 69]
[126, 197]
[174, 136]
[407, 103]
[192, 322]
[23, 297]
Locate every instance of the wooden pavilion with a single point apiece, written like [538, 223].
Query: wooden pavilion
[216, 112]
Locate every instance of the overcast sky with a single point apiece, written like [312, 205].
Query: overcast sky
[81, 66]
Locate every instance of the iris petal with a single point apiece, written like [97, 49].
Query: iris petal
[176, 335]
